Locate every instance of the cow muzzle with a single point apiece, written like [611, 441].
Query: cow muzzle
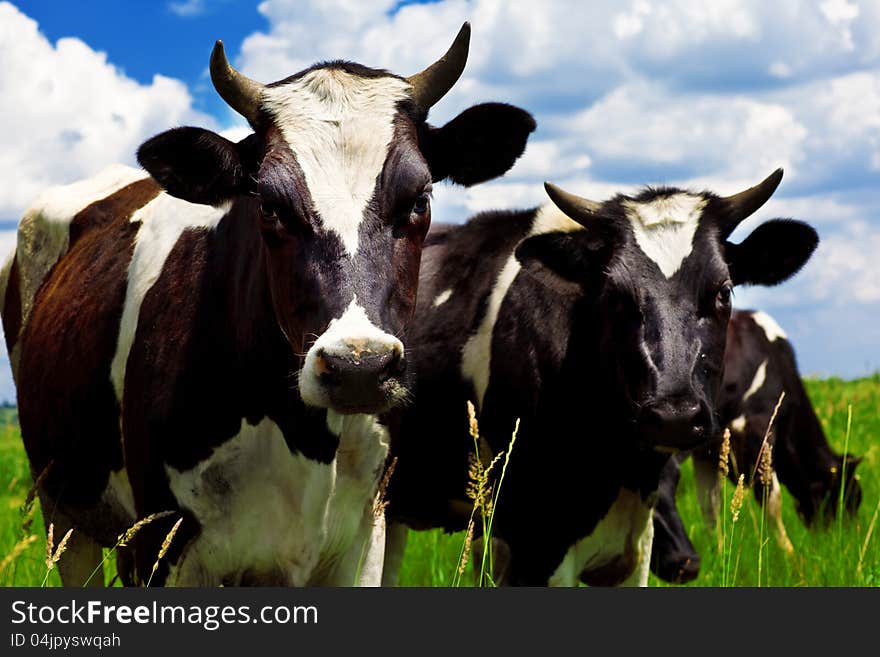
[674, 423]
[354, 367]
[362, 377]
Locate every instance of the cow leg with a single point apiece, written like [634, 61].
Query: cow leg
[395, 546]
[372, 565]
[639, 576]
[708, 485]
[82, 554]
[774, 511]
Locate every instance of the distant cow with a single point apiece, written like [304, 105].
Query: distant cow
[602, 327]
[218, 338]
[759, 365]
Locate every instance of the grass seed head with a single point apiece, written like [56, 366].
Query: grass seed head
[166, 544]
[765, 467]
[724, 456]
[737, 501]
[132, 531]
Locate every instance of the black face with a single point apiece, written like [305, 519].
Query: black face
[660, 273]
[664, 339]
[824, 500]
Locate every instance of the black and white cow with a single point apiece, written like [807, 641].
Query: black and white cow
[219, 336]
[760, 365]
[602, 327]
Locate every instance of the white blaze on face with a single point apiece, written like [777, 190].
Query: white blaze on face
[344, 337]
[477, 351]
[664, 228]
[339, 126]
[771, 329]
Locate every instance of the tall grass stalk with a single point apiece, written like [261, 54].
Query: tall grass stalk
[868, 537]
[841, 495]
[487, 542]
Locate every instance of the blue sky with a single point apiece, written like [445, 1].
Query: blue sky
[625, 92]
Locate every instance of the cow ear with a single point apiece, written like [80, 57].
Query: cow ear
[481, 143]
[198, 165]
[574, 257]
[772, 253]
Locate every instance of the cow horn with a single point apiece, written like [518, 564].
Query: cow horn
[577, 208]
[434, 82]
[240, 92]
[747, 202]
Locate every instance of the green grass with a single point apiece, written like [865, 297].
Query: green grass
[824, 557]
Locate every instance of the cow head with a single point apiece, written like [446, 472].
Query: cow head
[820, 505]
[660, 270]
[337, 177]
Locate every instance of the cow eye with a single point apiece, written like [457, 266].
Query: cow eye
[269, 212]
[421, 205]
[722, 298]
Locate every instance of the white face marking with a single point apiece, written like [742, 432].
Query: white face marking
[353, 327]
[163, 221]
[623, 529]
[771, 329]
[339, 126]
[262, 509]
[477, 351]
[44, 230]
[440, 299]
[664, 228]
[758, 381]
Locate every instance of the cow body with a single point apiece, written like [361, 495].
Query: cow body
[760, 365]
[585, 333]
[219, 337]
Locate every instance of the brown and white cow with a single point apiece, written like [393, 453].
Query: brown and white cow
[218, 336]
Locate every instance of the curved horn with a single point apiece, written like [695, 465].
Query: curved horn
[434, 82]
[577, 208]
[747, 202]
[240, 92]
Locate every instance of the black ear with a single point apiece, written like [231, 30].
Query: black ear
[198, 165]
[481, 143]
[772, 253]
[575, 257]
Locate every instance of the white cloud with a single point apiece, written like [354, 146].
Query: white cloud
[67, 112]
[187, 8]
[680, 92]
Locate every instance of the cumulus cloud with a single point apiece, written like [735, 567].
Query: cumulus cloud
[625, 93]
[187, 8]
[67, 112]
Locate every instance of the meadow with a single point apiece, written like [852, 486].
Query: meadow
[844, 554]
